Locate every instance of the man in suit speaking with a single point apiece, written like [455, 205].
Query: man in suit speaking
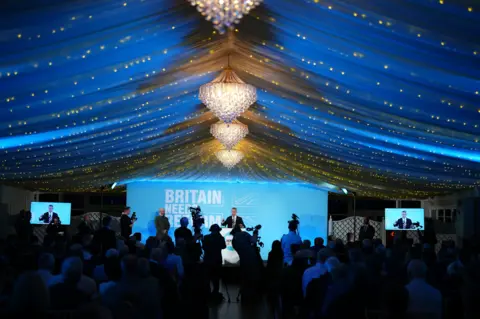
[233, 220]
[49, 216]
[404, 222]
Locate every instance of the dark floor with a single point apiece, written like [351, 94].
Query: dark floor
[238, 310]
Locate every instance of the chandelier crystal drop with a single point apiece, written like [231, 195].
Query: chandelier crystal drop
[229, 158]
[229, 134]
[224, 14]
[228, 96]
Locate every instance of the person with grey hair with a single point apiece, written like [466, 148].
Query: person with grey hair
[424, 301]
[30, 295]
[140, 293]
[317, 270]
[67, 295]
[46, 264]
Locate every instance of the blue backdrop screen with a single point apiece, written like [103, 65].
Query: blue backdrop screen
[270, 205]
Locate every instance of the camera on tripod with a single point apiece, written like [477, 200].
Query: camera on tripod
[255, 230]
[197, 219]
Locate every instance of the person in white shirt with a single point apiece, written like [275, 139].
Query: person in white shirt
[317, 270]
[424, 301]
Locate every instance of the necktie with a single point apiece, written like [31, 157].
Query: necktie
[50, 218]
[234, 222]
[404, 224]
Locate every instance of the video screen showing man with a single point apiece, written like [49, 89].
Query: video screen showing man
[404, 222]
[233, 220]
[49, 216]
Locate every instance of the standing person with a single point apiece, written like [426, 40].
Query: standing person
[366, 231]
[161, 222]
[55, 228]
[85, 227]
[212, 247]
[126, 224]
[233, 220]
[288, 240]
[105, 237]
[183, 231]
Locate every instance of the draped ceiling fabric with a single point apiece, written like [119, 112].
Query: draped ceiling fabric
[380, 97]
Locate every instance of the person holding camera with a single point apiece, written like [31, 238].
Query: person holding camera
[126, 223]
[292, 238]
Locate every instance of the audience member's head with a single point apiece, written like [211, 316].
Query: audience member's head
[129, 266]
[72, 269]
[112, 266]
[318, 242]
[355, 256]
[30, 294]
[339, 272]
[137, 236]
[215, 228]
[276, 245]
[455, 269]
[292, 226]
[159, 255]
[46, 262]
[294, 248]
[417, 269]
[323, 254]
[106, 221]
[306, 244]
[184, 222]
[332, 263]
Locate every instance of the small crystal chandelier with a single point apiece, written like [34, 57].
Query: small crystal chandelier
[229, 158]
[228, 96]
[229, 134]
[224, 13]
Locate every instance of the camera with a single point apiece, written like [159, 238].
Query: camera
[197, 219]
[134, 216]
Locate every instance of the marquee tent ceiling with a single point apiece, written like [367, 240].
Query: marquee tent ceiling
[380, 97]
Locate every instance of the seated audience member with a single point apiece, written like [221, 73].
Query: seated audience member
[105, 237]
[395, 302]
[170, 298]
[317, 270]
[424, 301]
[173, 262]
[66, 294]
[85, 284]
[30, 297]
[133, 296]
[339, 294]
[85, 227]
[318, 244]
[46, 265]
[318, 287]
[111, 270]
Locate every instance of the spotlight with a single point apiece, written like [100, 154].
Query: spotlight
[344, 190]
[115, 184]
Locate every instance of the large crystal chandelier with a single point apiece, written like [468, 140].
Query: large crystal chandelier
[224, 13]
[229, 158]
[229, 134]
[228, 96]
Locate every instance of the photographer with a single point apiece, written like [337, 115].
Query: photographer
[292, 238]
[126, 223]
[245, 245]
[212, 248]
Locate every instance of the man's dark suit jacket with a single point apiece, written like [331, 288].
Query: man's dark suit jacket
[106, 238]
[229, 221]
[212, 248]
[125, 229]
[44, 217]
[399, 223]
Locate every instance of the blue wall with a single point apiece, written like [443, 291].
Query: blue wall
[270, 205]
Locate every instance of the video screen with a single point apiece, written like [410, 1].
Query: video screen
[44, 213]
[404, 219]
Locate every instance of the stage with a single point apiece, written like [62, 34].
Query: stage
[268, 204]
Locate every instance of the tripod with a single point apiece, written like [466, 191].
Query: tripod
[228, 293]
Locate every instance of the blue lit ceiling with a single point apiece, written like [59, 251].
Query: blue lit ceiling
[380, 97]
